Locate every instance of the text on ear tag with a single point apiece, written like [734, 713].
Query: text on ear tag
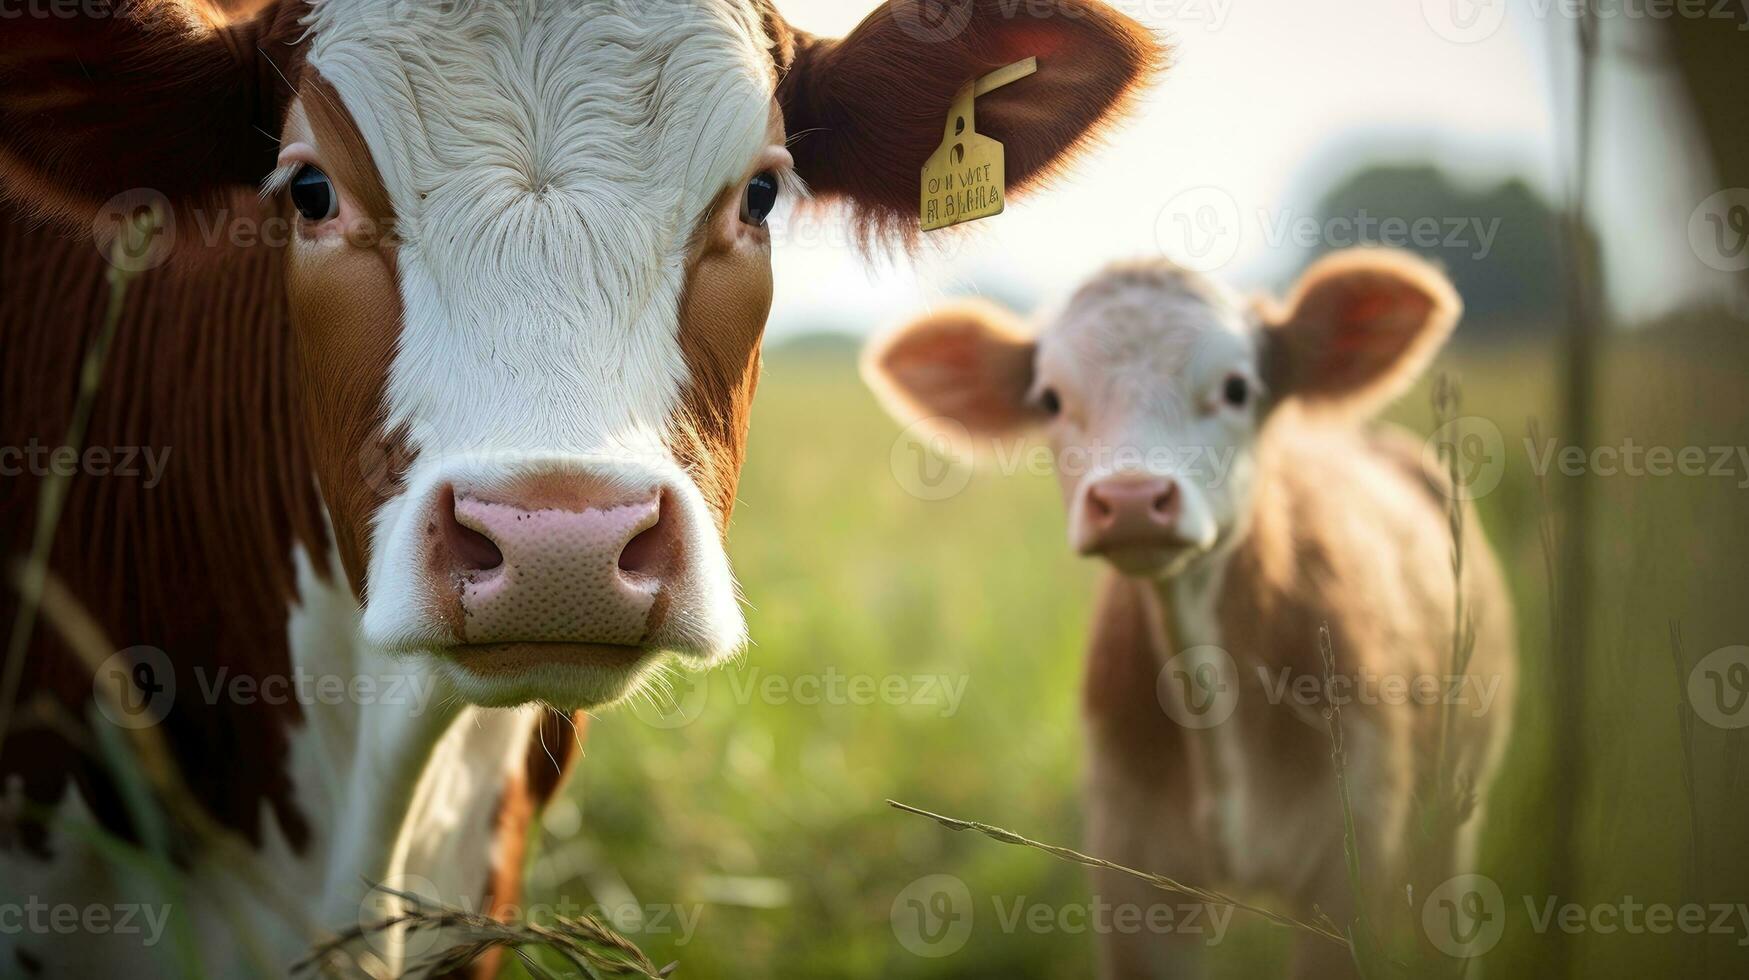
[963, 179]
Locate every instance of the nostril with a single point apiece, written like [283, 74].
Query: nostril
[1099, 505]
[1166, 500]
[650, 552]
[473, 551]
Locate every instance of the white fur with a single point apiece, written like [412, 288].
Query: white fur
[1139, 372]
[398, 793]
[548, 164]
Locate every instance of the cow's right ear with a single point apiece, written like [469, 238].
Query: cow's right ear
[98, 99]
[864, 112]
[1361, 325]
[970, 362]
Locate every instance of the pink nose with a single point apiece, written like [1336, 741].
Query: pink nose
[516, 571]
[1127, 511]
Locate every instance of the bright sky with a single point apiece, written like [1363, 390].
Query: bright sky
[1268, 102]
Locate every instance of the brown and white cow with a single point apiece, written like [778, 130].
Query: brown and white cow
[1211, 452]
[451, 356]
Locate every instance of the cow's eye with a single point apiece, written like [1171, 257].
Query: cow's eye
[1236, 391]
[759, 198]
[1050, 401]
[312, 193]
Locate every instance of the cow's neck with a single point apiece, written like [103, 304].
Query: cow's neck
[405, 788]
[1240, 600]
[1194, 606]
[1187, 605]
[1184, 614]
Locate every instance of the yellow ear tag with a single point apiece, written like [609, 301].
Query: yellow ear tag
[963, 178]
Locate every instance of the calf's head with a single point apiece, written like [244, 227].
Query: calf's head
[1154, 386]
[527, 259]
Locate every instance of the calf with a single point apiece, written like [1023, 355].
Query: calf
[449, 347]
[1211, 453]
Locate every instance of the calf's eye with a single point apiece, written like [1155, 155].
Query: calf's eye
[1236, 391]
[759, 198]
[1048, 400]
[312, 193]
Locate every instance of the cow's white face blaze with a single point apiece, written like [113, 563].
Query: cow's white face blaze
[1155, 387]
[1149, 382]
[523, 203]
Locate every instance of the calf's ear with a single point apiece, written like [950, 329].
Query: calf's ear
[139, 94]
[1359, 328]
[970, 362]
[864, 112]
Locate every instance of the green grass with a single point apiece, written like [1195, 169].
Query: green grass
[765, 816]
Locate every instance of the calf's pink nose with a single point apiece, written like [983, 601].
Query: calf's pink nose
[550, 574]
[1127, 511]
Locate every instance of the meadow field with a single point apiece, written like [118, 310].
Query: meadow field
[929, 651]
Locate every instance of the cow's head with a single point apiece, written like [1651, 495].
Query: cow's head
[528, 252]
[1154, 385]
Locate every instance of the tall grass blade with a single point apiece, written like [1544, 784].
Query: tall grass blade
[1320, 928]
[132, 240]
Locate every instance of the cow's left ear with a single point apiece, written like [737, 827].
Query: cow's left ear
[864, 112]
[102, 98]
[970, 363]
[1359, 328]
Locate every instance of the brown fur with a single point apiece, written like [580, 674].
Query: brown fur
[97, 105]
[346, 313]
[1340, 515]
[722, 318]
[866, 111]
[198, 566]
[202, 366]
[555, 746]
[92, 108]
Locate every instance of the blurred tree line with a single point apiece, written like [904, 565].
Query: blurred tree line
[1502, 244]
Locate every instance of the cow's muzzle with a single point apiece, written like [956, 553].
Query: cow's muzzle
[560, 585]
